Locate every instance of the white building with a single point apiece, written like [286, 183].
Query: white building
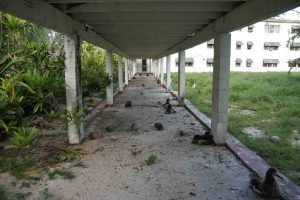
[260, 47]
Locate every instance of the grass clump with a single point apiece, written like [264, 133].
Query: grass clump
[15, 167]
[64, 174]
[274, 98]
[7, 195]
[151, 159]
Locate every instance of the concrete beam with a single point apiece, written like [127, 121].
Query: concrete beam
[220, 91]
[168, 66]
[73, 87]
[150, 7]
[147, 21]
[109, 74]
[117, 1]
[248, 13]
[181, 78]
[120, 73]
[147, 15]
[42, 13]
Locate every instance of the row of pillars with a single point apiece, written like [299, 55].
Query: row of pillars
[73, 83]
[220, 88]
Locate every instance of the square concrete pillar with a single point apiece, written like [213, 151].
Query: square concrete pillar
[120, 74]
[109, 88]
[126, 72]
[220, 91]
[181, 78]
[73, 87]
[168, 66]
[161, 71]
[134, 67]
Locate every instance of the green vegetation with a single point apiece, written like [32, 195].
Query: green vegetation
[32, 76]
[15, 167]
[22, 137]
[5, 195]
[65, 174]
[275, 100]
[151, 159]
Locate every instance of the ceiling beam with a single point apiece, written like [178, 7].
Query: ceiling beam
[147, 21]
[141, 1]
[246, 14]
[147, 15]
[148, 7]
[40, 12]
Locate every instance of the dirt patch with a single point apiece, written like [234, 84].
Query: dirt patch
[254, 132]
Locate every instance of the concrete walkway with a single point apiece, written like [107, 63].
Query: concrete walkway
[115, 165]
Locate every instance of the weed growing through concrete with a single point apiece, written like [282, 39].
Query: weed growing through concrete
[151, 159]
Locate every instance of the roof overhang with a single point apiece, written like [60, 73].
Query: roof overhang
[146, 28]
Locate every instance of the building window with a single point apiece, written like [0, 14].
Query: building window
[210, 44]
[271, 46]
[295, 46]
[238, 62]
[294, 63]
[249, 45]
[249, 62]
[250, 28]
[269, 28]
[209, 62]
[189, 62]
[239, 45]
[270, 62]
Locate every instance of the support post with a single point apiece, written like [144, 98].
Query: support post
[126, 71]
[120, 73]
[220, 89]
[73, 87]
[134, 67]
[181, 78]
[109, 87]
[162, 71]
[168, 63]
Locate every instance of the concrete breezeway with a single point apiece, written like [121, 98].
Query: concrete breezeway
[115, 165]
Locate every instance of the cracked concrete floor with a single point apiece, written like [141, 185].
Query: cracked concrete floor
[116, 166]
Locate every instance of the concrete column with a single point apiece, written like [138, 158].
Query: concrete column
[126, 72]
[109, 88]
[134, 67]
[161, 71]
[155, 68]
[181, 78]
[150, 65]
[168, 63]
[220, 91]
[120, 73]
[73, 87]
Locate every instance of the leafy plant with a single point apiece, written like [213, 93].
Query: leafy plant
[151, 159]
[22, 137]
[75, 117]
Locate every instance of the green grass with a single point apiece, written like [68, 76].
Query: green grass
[151, 159]
[275, 98]
[64, 174]
[15, 167]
